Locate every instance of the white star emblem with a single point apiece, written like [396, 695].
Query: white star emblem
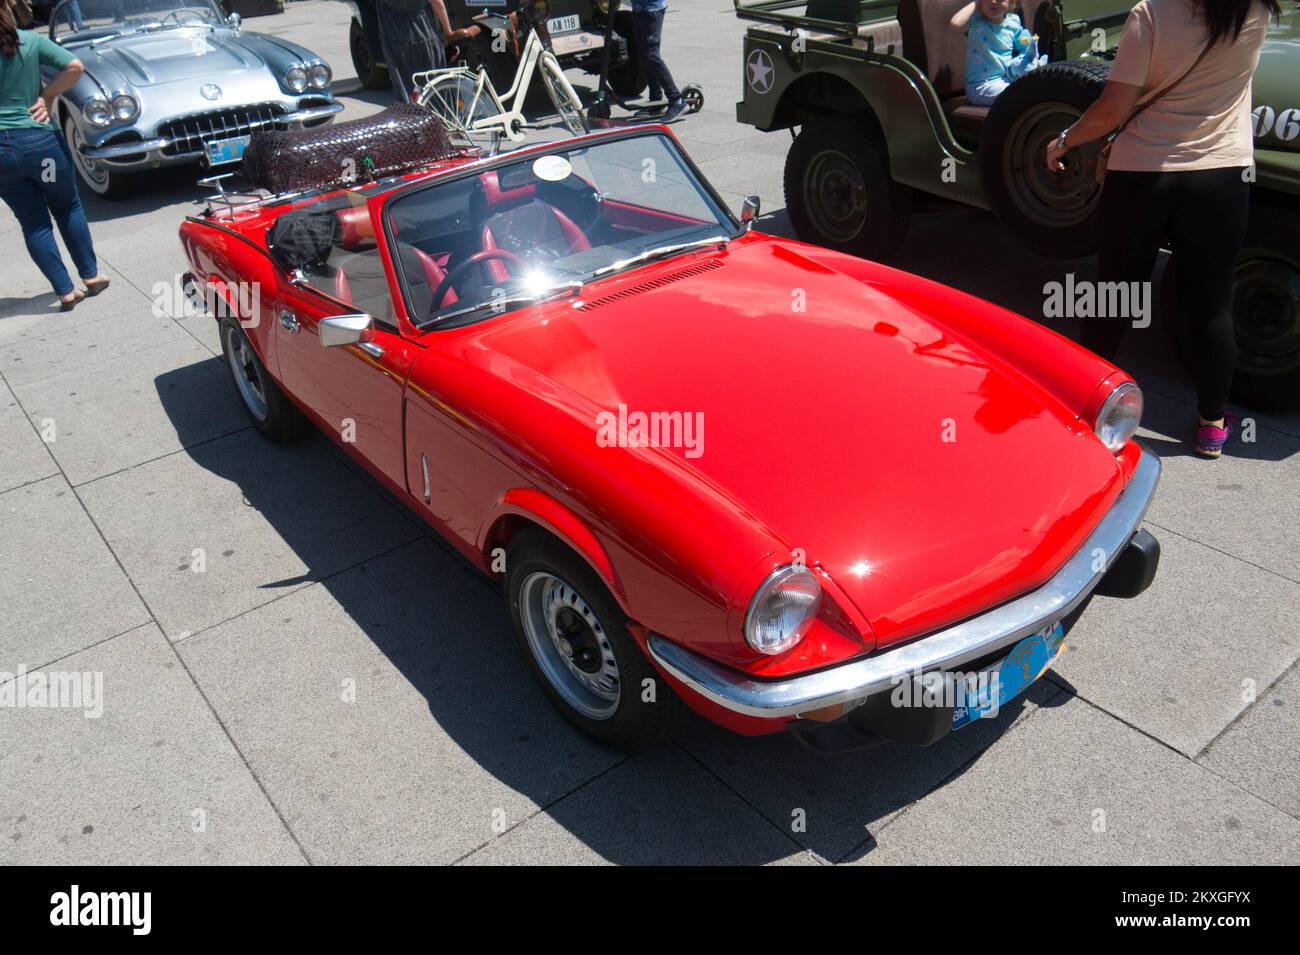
[759, 66]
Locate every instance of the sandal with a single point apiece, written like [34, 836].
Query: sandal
[68, 304]
[1210, 439]
[97, 285]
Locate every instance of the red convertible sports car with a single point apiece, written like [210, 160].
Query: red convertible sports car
[712, 469]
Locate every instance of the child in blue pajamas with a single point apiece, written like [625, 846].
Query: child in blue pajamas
[998, 48]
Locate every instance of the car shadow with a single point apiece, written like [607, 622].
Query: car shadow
[446, 630]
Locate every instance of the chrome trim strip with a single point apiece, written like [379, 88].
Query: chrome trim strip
[945, 649]
[162, 142]
[124, 149]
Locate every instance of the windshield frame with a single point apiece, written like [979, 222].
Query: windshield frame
[422, 326]
[219, 18]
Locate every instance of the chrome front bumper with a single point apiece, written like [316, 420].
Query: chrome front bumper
[946, 649]
[162, 142]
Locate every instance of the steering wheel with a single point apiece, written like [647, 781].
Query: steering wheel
[187, 11]
[478, 258]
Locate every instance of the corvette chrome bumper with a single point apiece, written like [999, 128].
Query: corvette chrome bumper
[946, 649]
[162, 142]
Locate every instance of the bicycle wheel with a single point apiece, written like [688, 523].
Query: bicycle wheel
[453, 99]
[567, 105]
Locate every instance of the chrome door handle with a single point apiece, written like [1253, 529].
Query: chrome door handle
[424, 465]
[371, 349]
[289, 320]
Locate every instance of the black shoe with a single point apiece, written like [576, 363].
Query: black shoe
[676, 106]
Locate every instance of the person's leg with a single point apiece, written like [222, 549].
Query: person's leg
[639, 41]
[653, 26]
[23, 196]
[1133, 217]
[58, 183]
[983, 94]
[1207, 229]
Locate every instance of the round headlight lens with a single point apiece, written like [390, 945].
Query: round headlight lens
[125, 107]
[296, 79]
[1120, 416]
[98, 112]
[782, 610]
[319, 76]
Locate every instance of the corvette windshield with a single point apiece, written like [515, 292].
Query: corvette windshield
[98, 18]
[543, 226]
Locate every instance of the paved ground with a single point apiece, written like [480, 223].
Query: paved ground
[334, 688]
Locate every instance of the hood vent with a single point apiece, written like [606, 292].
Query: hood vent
[651, 285]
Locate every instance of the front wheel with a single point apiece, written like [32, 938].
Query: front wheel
[372, 75]
[1265, 311]
[577, 643]
[96, 176]
[570, 113]
[839, 192]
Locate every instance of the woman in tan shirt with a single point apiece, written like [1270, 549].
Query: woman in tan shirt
[1179, 172]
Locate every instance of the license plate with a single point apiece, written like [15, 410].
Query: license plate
[1007, 679]
[223, 151]
[563, 24]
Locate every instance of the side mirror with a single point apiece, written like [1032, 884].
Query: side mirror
[344, 329]
[749, 211]
[234, 21]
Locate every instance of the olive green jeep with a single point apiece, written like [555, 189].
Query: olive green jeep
[874, 91]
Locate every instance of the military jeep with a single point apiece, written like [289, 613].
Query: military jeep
[577, 29]
[873, 92]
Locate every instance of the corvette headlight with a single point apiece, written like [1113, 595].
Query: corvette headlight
[319, 76]
[782, 610]
[296, 79]
[125, 107]
[98, 112]
[1119, 417]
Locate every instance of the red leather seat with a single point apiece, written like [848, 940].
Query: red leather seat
[517, 221]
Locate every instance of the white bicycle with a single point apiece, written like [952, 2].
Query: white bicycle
[470, 105]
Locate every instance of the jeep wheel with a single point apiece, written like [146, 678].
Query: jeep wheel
[1050, 212]
[369, 72]
[577, 643]
[1265, 311]
[838, 190]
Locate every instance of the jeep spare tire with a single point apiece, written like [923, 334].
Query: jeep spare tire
[1050, 212]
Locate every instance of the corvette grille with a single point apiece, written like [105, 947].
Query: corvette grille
[652, 284]
[189, 133]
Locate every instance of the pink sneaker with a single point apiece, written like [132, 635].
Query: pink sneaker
[1210, 439]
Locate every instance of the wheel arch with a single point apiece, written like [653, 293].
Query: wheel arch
[521, 508]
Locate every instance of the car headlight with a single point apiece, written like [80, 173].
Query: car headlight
[1119, 417]
[98, 112]
[782, 610]
[319, 76]
[296, 79]
[125, 107]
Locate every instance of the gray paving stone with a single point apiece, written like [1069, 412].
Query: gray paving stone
[268, 519]
[1244, 503]
[1172, 660]
[23, 457]
[151, 780]
[847, 797]
[1036, 796]
[657, 808]
[1258, 752]
[448, 734]
[60, 588]
[144, 404]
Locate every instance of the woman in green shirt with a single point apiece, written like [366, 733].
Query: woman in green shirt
[36, 176]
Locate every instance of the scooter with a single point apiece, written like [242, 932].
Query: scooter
[601, 107]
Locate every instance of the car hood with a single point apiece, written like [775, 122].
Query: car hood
[164, 56]
[928, 478]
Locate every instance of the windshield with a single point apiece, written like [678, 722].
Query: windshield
[543, 226]
[108, 17]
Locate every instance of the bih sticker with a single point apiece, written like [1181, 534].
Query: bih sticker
[552, 168]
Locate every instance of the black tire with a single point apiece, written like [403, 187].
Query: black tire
[634, 723]
[630, 79]
[1266, 311]
[838, 188]
[369, 72]
[281, 422]
[1051, 213]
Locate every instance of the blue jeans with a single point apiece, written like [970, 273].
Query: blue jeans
[37, 179]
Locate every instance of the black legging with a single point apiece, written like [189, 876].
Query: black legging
[1202, 213]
